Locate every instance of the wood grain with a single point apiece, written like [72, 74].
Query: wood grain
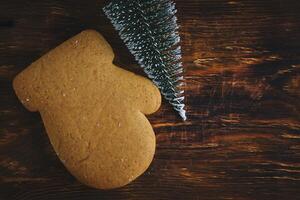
[242, 139]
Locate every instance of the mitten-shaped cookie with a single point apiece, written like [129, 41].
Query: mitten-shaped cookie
[93, 111]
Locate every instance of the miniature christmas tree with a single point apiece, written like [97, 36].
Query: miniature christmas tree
[150, 31]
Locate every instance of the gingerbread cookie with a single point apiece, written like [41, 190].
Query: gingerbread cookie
[92, 110]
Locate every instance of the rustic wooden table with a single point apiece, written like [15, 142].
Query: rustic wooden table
[242, 139]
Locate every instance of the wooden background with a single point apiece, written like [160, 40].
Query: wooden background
[242, 139]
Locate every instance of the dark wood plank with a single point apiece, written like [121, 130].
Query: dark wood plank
[242, 139]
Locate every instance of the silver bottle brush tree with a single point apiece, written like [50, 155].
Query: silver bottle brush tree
[150, 31]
